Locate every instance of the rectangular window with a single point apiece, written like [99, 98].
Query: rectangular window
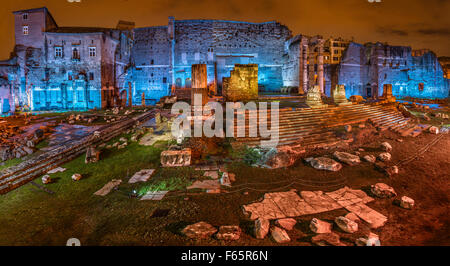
[25, 16]
[58, 52]
[164, 80]
[91, 76]
[92, 51]
[25, 30]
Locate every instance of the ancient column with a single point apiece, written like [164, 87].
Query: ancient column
[130, 95]
[320, 66]
[199, 82]
[303, 66]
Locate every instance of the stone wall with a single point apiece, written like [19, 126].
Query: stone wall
[227, 43]
[364, 70]
[151, 55]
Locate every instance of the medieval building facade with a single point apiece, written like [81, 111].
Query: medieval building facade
[66, 68]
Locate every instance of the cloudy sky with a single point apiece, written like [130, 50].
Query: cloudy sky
[417, 23]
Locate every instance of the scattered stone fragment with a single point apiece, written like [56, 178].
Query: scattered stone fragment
[286, 223]
[92, 155]
[229, 232]
[173, 158]
[56, 170]
[406, 202]
[46, 179]
[370, 216]
[323, 163]
[370, 158]
[200, 230]
[319, 226]
[261, 228]
[348, 128]
[154, 195]
[28, 150]
[225, 180]
[347, 158]
[434, 130]
[279, 235]
[346, 224]
[400, 140]
[327, 239]
[371, 240]
[393, 170]
[361, 125]
[108, 187]
[76, 177]
[211, 174]
[141, 176]
[308, 159]
[283, 156]
[384, 156]
[122, 139]
[385, 146]
[353, 217]
[382, 190]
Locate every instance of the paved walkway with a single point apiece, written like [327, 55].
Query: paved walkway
[280, 205]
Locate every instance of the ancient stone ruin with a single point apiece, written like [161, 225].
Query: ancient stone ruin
[172, 158]
[242, 85]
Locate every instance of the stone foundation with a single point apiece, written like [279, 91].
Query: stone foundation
[339, 95]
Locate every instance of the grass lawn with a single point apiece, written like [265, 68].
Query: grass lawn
[29, 215]
[10, 163]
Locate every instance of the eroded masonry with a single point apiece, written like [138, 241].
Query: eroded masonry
[67, 68]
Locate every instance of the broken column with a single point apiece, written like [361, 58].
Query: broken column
[314, 98]
[339, 95]
[303, 66]
[243, 83]
[143, 99]
[387, 93]
[225, 82]
[320, 66]
[199, 82]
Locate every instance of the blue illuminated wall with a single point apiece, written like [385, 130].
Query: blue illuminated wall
[152, 59]
[364, 69]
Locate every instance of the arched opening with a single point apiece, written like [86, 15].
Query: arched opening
[178, 83]
[368, 90]
[188, 83]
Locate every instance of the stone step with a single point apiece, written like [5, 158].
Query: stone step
[300, 119]
[308, 125]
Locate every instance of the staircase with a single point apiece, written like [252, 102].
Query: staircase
[316, 128]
